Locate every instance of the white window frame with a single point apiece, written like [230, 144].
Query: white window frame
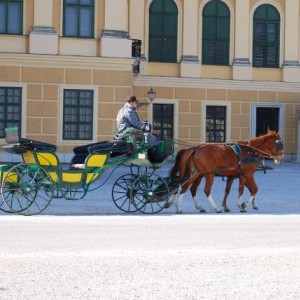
[281, 107]
[175, 120]
[61, 109]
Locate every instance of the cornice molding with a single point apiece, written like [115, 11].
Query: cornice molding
[32, 60]
[216, 84]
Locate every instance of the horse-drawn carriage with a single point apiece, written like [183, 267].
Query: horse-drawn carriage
[28, 187]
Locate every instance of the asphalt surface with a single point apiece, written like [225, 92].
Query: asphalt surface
[89, 249]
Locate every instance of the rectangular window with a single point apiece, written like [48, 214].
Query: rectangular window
[267, 118]
[11, 16]
[216, 124]
[163, 120]
[78, 115]
[10, 108]
[79, 18]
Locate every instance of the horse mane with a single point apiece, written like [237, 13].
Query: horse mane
[182, 165]
[261, 139]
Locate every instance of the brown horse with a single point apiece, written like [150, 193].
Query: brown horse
[209, 160]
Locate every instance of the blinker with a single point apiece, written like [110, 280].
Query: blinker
[279, 145]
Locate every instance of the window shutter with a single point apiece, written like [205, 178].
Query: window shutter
[215, 33]
[163, 31]
[266, 36]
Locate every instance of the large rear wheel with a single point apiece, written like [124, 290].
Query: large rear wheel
[4, 207]
[150, 193]
[27, 189]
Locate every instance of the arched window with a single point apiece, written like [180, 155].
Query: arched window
[215, 33]
[163, 20]
[266, 37]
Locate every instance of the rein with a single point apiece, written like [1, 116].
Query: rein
[266, 154]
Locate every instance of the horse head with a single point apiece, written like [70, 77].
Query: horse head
[269, 145]
[274, 146]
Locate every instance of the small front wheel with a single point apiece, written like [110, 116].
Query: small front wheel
[27, 189]
[150, 193]
[121, 193]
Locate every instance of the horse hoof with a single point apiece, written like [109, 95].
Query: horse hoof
[255, 207]
[242, 206]
[179, 212]
[226, 210]
[202, 210]
[218, 211]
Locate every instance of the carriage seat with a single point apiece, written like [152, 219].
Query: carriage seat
[114, 148]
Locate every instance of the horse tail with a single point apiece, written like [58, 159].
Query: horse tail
[175, 169]
[182, 165]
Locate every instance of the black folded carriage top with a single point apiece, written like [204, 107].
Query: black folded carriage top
[115, 148]
[19, 145]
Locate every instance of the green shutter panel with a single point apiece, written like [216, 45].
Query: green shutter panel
[222, 51]
[209, 44]
[258, 54]
[170, 39]
[156, 39]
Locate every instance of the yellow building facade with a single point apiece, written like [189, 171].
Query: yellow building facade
[44, 61]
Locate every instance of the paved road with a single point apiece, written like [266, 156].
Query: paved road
[150, 257]
[88, 249]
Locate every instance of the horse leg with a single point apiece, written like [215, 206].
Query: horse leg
[209, 179]
[241, 205]
[193, 189]
[172, 200]
[229, 183]
[177, 198]
[178, 203]
[253, 189]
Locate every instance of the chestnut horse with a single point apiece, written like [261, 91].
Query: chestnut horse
[209, 160]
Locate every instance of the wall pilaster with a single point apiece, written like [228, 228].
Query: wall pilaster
[137, 22]
[190, 65]
[242, 69]
[43, 39]
[291, 66]
[115, 40]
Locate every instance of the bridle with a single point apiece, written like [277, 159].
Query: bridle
[279, 146]
[268, 153]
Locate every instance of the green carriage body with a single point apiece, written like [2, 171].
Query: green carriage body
[49, 179]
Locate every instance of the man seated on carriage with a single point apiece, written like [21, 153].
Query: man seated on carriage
[128, 121]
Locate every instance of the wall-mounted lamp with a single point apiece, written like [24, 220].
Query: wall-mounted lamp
[151, 94]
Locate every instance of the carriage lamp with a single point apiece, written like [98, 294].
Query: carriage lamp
[151, 95]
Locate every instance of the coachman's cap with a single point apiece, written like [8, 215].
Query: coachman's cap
[132, 99]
